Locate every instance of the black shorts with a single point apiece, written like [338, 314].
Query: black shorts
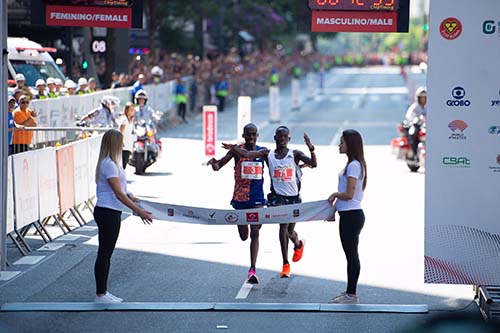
[274, 199]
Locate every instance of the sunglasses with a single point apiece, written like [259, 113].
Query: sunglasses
[24, 102]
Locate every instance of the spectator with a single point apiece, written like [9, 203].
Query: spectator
[70, 86]
[137, 85]
[23, 117]
[92, 85]
[51, 88]
[122, 82]
[181, 99]
[82, 86]
[10, 121]
[17, 93]
[41, 91]
[127, 128]
[21, 84]
[221, 89]
[58, 87]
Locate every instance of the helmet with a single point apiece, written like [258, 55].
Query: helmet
[51, 80]
[57, 81]
[82, 81]
[39, 82]
[421, 91]
[156, 71]
[141, 93]
[110, 102]
[70, 84]
[20, 77]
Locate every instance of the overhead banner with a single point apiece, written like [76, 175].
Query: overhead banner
[462, 233]
[309, 211]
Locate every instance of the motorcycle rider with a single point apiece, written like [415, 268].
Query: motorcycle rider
[415, 115]
[104, 115]
[143, 111]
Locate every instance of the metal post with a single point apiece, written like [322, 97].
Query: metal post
[3, 135]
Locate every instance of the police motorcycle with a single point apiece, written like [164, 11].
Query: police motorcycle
[147, 147]
[415, 154]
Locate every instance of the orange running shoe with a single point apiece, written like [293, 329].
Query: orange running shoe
[297, 253]
[285, 272]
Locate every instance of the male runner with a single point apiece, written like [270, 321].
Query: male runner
[286, 177]
[248, 190]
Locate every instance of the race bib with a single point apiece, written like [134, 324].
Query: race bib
[283, 174]
[251, 170]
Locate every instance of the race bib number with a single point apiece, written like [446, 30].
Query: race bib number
[283, 174]
[251, 170]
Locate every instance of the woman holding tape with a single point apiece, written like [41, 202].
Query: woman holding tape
[112, 197]
[347, 201]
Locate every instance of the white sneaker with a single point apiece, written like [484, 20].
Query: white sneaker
[345, 298]
[115, 297]
[106, 298]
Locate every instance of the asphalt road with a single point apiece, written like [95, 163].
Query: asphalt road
[185, 263]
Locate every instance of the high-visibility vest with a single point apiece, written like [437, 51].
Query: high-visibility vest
[275, 78]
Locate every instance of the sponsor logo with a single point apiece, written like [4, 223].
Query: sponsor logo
[458, 94]
[211, 216]
[268, 216]
[457, 127]
[252, 217]
[453, 161]
[231, 218]
[190, 214]
[495, 102]
[490, 27]
[170, 212]
[296, 212]
[495, 168]
[494, 130]
[450, 28]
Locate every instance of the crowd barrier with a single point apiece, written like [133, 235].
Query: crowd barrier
[47, 184]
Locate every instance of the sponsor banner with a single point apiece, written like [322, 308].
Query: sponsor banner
[209, 129]
[10, 197]
[81, 167]
[349, 21]
[304, 212]
[65, 178]
[462, 235]
[88, 16]
[25, 167]
[47, 183]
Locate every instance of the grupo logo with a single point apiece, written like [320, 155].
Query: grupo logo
[450, 28]
[231, 218]
[495, 168]
[252, 217]
[458, 94]
[456, 161]
[491, 27]
[457, 127]
[494, 130]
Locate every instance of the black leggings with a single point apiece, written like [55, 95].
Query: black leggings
[125, 157]
[351, 223]
[108, 222]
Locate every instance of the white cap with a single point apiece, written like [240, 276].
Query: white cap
[141, 76]
[70, 84]
[39, 82]
[20, 77]
[57, 81]
[82, 81]
[156, 70]
[51, 80]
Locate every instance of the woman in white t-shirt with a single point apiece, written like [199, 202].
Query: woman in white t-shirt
[127, 129]
[112, 197]
[347, 201]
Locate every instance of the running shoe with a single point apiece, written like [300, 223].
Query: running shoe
[285, 272]
[252, 277]
[115, 297]
[297, 253]
[106, 298]
[345, 298]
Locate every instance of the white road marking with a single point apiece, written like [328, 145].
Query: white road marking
[7, 275]
[244, 290]
[67, 238]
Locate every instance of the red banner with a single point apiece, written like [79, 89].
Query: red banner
[88, 16]
[209, 129]
[349, 21]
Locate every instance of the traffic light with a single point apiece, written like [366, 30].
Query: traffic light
[426, 26]
[85, 64]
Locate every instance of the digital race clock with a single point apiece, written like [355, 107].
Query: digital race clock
[355, 5]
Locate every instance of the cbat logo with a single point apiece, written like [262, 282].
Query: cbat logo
[252, 217]
[457, 127]
[454, 161]
[494, 130]
[231, 218]
[450, 28]
[458, 94]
